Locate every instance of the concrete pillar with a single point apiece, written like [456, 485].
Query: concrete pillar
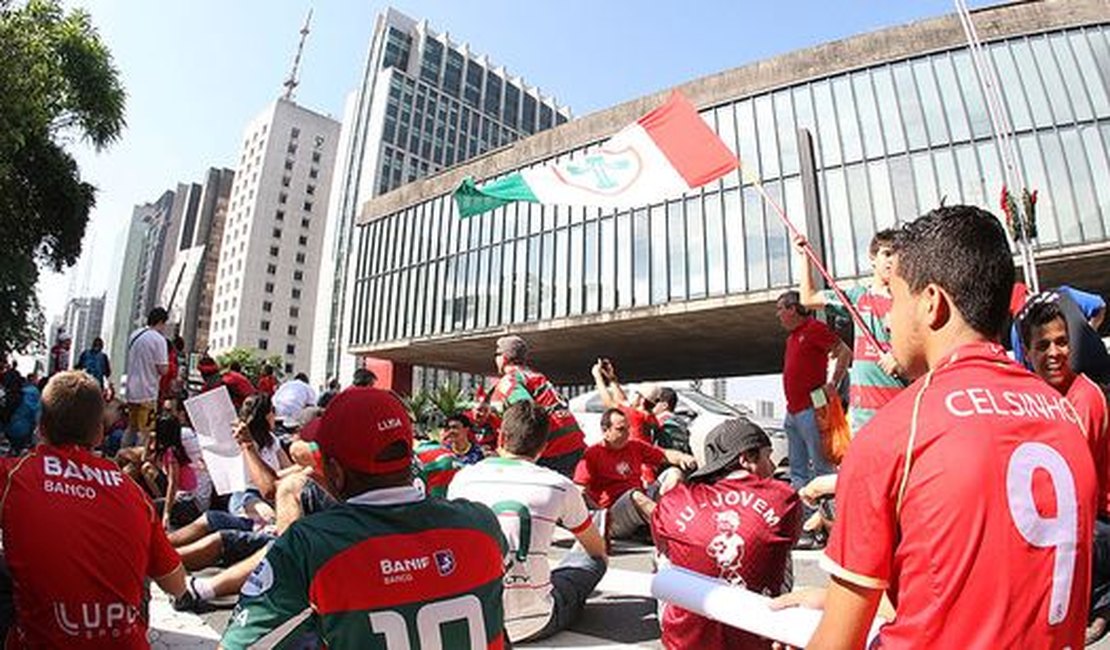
[391, 374]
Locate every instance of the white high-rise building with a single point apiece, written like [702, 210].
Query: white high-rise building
[270, 256]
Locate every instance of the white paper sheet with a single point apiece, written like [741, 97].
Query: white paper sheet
[214, 418]
[737, 607]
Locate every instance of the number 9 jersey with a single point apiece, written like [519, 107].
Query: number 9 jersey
[970, 498]
[389, 570]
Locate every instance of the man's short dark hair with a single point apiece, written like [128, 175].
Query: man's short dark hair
[793, 299]
[607, 417]
[882, 238]
[668, 396]
[300, 376]
[72, 408]
[1041, 310]
[460, 418]
[364, 377]
[235, 366]
[157, 316]
[963, 250]
[524, 429]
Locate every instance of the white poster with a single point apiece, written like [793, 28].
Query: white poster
[214, 419]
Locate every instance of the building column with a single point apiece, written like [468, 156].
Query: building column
[392, 375]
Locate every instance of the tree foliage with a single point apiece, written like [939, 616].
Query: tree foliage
[251, 362]
[57, 85]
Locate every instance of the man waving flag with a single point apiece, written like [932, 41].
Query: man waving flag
[663, 154]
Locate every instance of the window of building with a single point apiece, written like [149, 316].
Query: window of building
[277, 233]
[313, 172]
[263, 344]
[269, 287]
[288, 368]
[300, 258]
[271, 268]
[283, 197]
[298, 275]
[285, 180]
[302, 240]
[310, 189]
[279, 215]
[291, 149]
[264, 326]
[294, 312]
[304, 223]
[316, 157]
[288, 165]
[292, 329]
[267, 306]
[308, 206]
[294, 133]
[290, 349]
[296, 293]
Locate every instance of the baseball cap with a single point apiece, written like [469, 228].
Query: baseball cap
[512, 346]
[728, 440]
[359, 424]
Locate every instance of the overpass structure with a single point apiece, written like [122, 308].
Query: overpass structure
[852, 136]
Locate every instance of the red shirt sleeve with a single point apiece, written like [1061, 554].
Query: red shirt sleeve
[650, 455]
[162, 558]
[582, 470]
[861, 549]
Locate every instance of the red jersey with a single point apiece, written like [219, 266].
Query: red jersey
[267, 384]
[79, 538]
[641, 425]
[806, 362]
[1089, 401]
[987, 544]
[518, 384]
[239, 387]
[607, 473]
[739, 529]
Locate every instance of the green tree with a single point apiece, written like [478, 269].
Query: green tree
[58, 85]
[251, 362]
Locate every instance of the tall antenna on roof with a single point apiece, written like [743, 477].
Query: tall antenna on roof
[292, 82]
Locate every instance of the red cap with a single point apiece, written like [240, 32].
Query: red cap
[359, 424]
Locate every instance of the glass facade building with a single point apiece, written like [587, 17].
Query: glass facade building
[425, 104]
[892, 140]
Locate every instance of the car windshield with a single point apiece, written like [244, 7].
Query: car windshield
[709, 404]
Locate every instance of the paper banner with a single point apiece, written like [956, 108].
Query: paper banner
[214, 418]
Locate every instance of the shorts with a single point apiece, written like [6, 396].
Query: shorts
[140, 417]
[238, 545]
[219, 520]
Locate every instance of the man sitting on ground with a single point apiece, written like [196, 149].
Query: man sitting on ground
[79, 538]
[610, 474]
[703, 526]
[438, 462]
[388, 561]
[674, 429]
[539, 601]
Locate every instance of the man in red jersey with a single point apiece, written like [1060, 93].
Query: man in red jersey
[732, 521]
[611, 473]
[79, 536]
[1046, 341]
[970, 498]
[565, 442]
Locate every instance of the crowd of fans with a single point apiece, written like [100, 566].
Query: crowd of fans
[969, 481]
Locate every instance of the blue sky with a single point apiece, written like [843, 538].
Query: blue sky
[197, 71]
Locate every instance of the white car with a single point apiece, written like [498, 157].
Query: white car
[702, 411]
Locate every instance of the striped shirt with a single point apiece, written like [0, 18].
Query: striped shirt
[540, 499]
[519, 384]
[871, 388]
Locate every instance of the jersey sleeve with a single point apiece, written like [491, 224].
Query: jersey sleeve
[574, 517]
[162, 558]
[833, 303]
[582, 470]
[650, 454]
[861, 549]
[273, 610]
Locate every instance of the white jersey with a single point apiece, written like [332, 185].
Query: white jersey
[528, 500]
[146, 350]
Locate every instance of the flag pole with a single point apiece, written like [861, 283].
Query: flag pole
[812, 255]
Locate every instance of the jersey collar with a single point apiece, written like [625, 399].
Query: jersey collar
[394, 496]
[986, 350]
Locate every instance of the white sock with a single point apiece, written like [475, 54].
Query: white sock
[203, 588]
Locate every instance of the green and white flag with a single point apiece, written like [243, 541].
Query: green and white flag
[663, 154]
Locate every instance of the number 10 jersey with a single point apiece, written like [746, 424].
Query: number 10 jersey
[387, 570]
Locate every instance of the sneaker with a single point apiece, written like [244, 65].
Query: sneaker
[811, 540]
[188, 601]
